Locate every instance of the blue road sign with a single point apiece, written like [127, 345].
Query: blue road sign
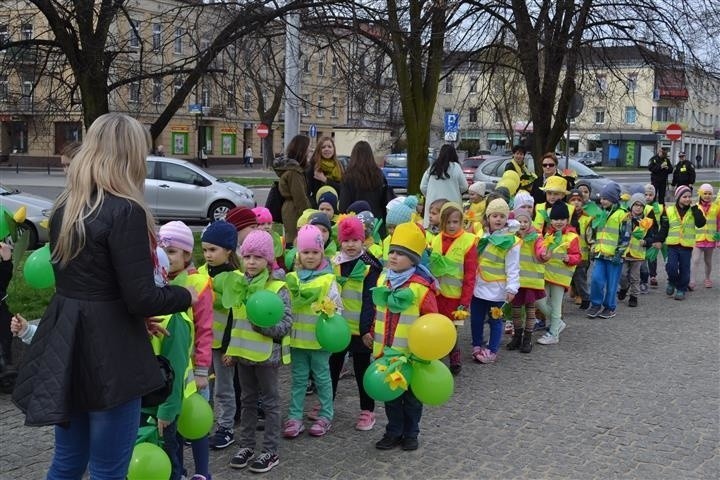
[195, 108]
[452, 126]
[313, 130]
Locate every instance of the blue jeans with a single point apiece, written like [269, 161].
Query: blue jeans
[604, 283]
[678, 267]
[479, 310]
[104, 439]
[403, 415]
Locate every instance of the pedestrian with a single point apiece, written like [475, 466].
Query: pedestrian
[641, 234]
[265, 223]
[684, 172]
[698, 161]
[292, 185]
[399, 211]
[581, 222]
[327, 202]
[555, 190]
[707, 238]
[654, 210]
[517, 163]
[248, 157]
[443, 179]
[475, 208]
[549, 163]
[660, 169]
[324, 169]
[105, 240]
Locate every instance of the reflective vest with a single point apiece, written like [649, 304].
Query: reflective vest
[635, 249]
[429, 237]
[584, 224]
[707, 233]
[352, 292]
[682, 230]
[491, 265]
[608, 237]
[251, 345]
[539, 222]
[385, 249]
[532, 270]
[278, 245]
[156, 343]
[557, 271]
[199, 281]
[451, 282]
[220, 318]
[304, 319]
[656, 208]
[407, 317]
[376, 250]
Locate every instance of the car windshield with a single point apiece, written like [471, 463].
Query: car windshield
[396, 161]
[8, 191]
[471, 162]
[579, 168]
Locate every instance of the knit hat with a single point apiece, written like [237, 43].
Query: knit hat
[478, 188]
[522, 212]
[400, 211]
[706, 187]
[680, 190]
[368, 220]
[637, 198]
[559, 211]
[262, 215]
[574, 193]
[555, 183]
[358, 206]
[583, 183]
[510, 180]
[323, 190]
[259, 243]
[409, 239]
[162, 268]
[497, 206]
[523, 198]
[611, 192]
[320, 219]
[241, 217]
[650, 188]
[304, 217]
[328, 197]
[453, 205]
[309, 238]
[176, 234]
[222, 234]
[351, 228]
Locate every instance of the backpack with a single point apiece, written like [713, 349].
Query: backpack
[275, 202]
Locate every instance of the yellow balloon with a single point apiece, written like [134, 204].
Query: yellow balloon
[432, 336]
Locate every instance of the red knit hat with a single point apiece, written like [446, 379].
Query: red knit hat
[241, 217]
[351, 228]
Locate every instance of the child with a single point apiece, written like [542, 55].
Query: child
[357, 273]
[417, 216]
[657, 209]
[678, 228]
[244, 221]
[259, 352]
[399, 211]
[581, 222]
[607, 251]
[585, 189]
[564, 256]
[533, 255]
[311, 281]
[706, 238]
[434, 219]
[327, 201]
[265, 223]
[453, 261]
[641, 235]
[555, 190]
[475, 210]
[497, 282]
[391, 327]
[321, 221]
[369, 223]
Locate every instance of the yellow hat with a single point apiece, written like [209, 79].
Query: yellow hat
[305, 217]
[510, 180]
[497, 206]
[556, 184]
[409, 239]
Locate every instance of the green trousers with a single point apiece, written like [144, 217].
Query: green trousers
[304, 362]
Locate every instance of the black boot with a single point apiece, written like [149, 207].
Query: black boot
[526, 346]
[632, 301]
[514, 344]
[622, 294]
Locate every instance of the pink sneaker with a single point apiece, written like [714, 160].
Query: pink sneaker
[293, 428]
[314, 413]
[366, 421]
[478, 353]
[488, 357]
[708, 283]
[320, 428]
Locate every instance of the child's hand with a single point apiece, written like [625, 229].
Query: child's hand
[18, 325]
[546, 255]
[201, 381]
[5, 251]
[566, 259]
[509, 297]
[367, 339]
[161, 424]
[228, 361]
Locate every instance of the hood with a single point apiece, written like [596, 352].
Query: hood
[283, 164]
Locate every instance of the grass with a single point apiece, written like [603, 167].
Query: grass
[253, 181]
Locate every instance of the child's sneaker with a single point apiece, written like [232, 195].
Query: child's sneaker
[293, 428]
[594, 311]
[314, 414]
[265, 462]
[366, 421]
[632, 302]
[478, 353]
[643, 288]
[539, 325]
[669, 290]
[585, 305]
[607, 313]
[653, 282]
[509, 329]
[679, 295]
[320, 428]
[242, 458]
[488, 357]
[548, 339]
[223, 438]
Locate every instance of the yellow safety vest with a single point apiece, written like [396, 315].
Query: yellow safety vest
[682, 231]
[608, 236]
[385, 249]
[220, 318]
[451, 282]
[584, 224]
[156, 343]
[556, 271]
[304, 319]
[376, 250]
[707, 233]
[635, 249]
[491, 265]
[651, 208]
[539, 222]
[532, 271]
[352, 292]
[429, 237]
[407, 317]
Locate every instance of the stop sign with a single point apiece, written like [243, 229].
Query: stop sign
[263, 130]
[673, 132]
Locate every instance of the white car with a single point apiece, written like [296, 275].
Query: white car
[177, 189]
[37, 212]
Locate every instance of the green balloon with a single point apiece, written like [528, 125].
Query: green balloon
[264, 308]
[376, 386]
[196, 417]
[432, 383]
[149, 462]
[333, 334]
[38, 271]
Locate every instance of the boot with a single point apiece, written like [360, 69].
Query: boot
[622, 294]
[585, 305]
[632, 301]
[514, 344]
[526, 346]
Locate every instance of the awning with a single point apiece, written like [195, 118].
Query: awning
[497, 136]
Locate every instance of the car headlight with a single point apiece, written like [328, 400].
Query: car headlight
[46, 213]
[241, 193]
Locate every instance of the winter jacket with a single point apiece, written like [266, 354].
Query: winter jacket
[657, 173]
[91, 350]
[293, 188]
[377, 199]
[450, 188]
[684, 174]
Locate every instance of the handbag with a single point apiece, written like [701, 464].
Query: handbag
[275, 202]
[158, 396]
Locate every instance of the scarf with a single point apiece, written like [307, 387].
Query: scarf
[396, 279]
[306, 275]
[331, 168]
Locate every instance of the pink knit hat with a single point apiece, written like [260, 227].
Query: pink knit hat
[176, 234]
[351, 228]
[259, 243]
[309, 238]
[706, 187]
[680, 190]
[263, 215]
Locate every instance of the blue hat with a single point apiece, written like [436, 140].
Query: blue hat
[358, 206]
[611, 192]
[221, 233]
[400, 210]
[320, 218]
[328, 197]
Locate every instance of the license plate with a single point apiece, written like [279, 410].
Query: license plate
[393, 174]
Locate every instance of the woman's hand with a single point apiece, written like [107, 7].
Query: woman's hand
[320, 176]
[18, 325]
[5, 251]
[154, 329]
[367, 339]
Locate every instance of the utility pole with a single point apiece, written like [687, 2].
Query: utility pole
[292, 77]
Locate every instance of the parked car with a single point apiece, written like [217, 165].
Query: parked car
[394, 168]
[589, 159]
[470, 164]
[37, 212]
[178, 189]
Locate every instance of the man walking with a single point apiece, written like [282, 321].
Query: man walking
[660, 168]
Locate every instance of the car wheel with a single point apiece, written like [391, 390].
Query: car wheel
[219, 209]
[31, 232]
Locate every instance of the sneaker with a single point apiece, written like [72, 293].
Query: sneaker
[320, 427]
[708, 283]
[691, 287]
[679, 295]
[479, 353]
[265, 462]
[366, 421]
[387, 442]
[488, 357]
[585, 305]
[643, 288]
[562, 327]
[539, 325]
[197, 476]
[455, 362]
[242, 458]
[632, 302]
[410, 443]
[509, 329]
[594, 311]
[222, 438]
[548, 339]
[607, 313]
[314, 414]
[653, 282]
[310, 387]
[669, 290]
[622, 294]
[293, 428]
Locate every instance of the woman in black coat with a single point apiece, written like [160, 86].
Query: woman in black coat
[91, 361]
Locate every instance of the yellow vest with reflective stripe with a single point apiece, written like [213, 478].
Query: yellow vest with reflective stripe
[608, 237]
[707, 233]
[407, 317]
[304, 319]
[385, 248]
[451, 283]
[682, 231]
[491, 264]
[352, 292]
[429, 237]
[247, 343]
[556, 271]
[651, 208]
[635, 249]
[539, 221]
[584, 224]
[220, 318]
[156, 343]
[532, 270]
[375, 250]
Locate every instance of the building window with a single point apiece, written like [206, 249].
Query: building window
[66, 132]
[630, 115]
[321, 106]
[599, 116]
[27, 92]
[473, 84]
[448, 84]
[231, 98]
[333, 108]
[157, 37]
[134, 92]
[26, 31]
[306, 65]
[306, 105]
[321, 67]
[472, 116]
[4, 33]
[632, 83]
[177, 84]
[601, 84]
[334, 67]
[134, 33]
[157, 90]
[247, 99]
[205, 94]
[179, 34]
[3, 88]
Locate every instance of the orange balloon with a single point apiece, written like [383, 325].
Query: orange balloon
[432, 336]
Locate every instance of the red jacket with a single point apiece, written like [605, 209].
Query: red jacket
[573, 251]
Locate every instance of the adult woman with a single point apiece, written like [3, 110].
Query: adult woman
[90, 361]
[549, 164]
[292, 186]
[324, 169]
[444, 179]
[364, 180]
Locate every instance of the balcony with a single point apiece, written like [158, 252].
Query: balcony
[660, 127]
[678, 93]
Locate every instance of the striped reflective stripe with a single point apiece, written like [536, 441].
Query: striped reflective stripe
[449, 281]
[285, 351]
[532, 272]
[682, 230]
[303, 333]
[349, 293]
[220, 319]
[406, 318]
[608, 236]
[247, 343]
[558, 274]
[635, 249]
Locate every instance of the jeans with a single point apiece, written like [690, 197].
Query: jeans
[223, 392]
[104, 439]
[479, 309]
[361, 362]
[678, 267]
[259, 381]
[630, 277]
[304, 362]
[551, 306]
[604, 283]
[403, 416]
[579, 280]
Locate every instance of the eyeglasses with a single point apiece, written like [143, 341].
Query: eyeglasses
[548, 164]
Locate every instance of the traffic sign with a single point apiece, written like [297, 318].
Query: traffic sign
[262, 130]
[195, 108]
[673, 132]
[451, 126]
[313, 131]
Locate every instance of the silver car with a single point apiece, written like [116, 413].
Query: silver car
[177, 189]
[37, 212]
